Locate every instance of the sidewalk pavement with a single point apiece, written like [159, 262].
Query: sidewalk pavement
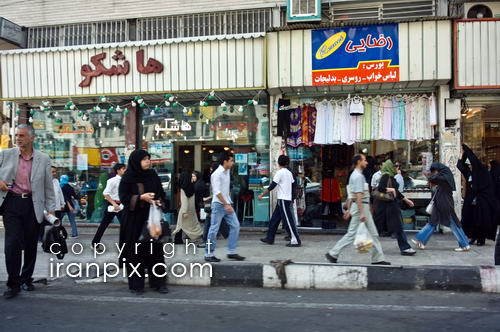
[437, 267]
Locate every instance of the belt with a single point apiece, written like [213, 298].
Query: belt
[23, 195]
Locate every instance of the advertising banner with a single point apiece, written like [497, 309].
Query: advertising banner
[355, 55]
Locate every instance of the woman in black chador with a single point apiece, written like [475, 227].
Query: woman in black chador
[478, 211]
[139, 188]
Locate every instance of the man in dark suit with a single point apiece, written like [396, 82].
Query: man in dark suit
[26, 193]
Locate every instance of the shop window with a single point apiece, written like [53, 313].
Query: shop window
[83, 148]
[192, 139]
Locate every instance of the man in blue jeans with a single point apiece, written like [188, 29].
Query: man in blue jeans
[222, 209]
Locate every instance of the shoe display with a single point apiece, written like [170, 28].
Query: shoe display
[212, 259]
[236, 257]
[330, 258]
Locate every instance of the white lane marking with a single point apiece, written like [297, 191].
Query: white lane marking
[288, 305]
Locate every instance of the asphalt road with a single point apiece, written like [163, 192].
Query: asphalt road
[65, 306]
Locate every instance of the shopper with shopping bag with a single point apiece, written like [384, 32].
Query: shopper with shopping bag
[140, 191]
[359, 211]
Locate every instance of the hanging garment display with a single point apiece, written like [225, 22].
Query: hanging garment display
[283, 118]
[432, 111]
[324, 123]
[308, 124]
[295, 137]
[356, 106]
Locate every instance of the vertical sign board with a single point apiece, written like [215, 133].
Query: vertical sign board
[355, 55]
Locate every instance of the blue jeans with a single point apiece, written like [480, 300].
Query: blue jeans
[219, 214]
[425, 234]
[72, 221]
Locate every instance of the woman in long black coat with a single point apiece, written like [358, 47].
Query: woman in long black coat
[443, 212]
[139, 188]
[478, 217]
[388, 213]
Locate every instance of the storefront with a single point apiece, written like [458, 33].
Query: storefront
[477, 83]
[374, 88]
[184, 100]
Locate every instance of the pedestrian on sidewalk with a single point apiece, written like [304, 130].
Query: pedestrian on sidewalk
[443, 211]
[388, 211]
[139, 188]
[69, 207]
[479, 208]
[283, 181]
[59, 199]
[187, 220]
[222, 209]
[110, 194]
[359, 210]
[26, 190]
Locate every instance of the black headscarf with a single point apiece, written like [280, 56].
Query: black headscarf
[443, 173]
[134, 172]
[186, 184]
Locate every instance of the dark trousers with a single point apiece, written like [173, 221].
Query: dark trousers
[283, 211]
[402, 240]
[146, 262]
[106, 220]
[21, 233]
[497, 250]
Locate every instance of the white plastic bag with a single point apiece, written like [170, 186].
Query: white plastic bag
[363, 240]
[154, 221]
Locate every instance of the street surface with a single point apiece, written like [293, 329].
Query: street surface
[65, 306]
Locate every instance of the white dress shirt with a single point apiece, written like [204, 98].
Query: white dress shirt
[60, 202]
[112, 188]
[221, 184]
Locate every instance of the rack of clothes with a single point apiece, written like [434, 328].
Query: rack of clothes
[358, 119]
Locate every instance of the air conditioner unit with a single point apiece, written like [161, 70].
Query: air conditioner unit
[303, 10]
[475, 10]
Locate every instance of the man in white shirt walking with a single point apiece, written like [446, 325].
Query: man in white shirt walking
[283, 181]
[60, 203]
[111, 195]
[222, 209]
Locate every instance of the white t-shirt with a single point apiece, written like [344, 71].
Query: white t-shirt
[112, 186]
[284, 180]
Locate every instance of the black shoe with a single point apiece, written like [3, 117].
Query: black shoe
[28, 286]
[472, 241]
[201, 245]
[137, 291]
[236, 257]
[266, 241]
[330, 258]
[293, 245]
[11, 292]
[162, 289]
[381, 263]
[212, 259]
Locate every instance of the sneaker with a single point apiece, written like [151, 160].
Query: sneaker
[266, 241]
[330, 258]
[28, 286]
[408, 252]
[419, 244]
[293, 245]
[462, 249]
[212, 259]
[381, 263]
[236, 257]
